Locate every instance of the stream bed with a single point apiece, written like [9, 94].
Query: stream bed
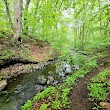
[22, 88]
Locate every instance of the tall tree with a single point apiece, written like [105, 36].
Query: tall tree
[26, 17]
[17, 4]
[8, 13]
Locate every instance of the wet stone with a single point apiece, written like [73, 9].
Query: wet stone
[67, 69]
[42, 80]
[3, 84]
[50, 80]
[39, 88]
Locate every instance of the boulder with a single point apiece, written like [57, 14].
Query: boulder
[3, 84]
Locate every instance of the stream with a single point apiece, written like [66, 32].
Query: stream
[22, 88]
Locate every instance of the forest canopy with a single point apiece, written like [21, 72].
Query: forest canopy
[63, 23]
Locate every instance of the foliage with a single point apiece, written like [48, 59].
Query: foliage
[101, 77]
[64, 96]
[27, 105]
[71, 79]
[5, 32]
[75, 28]
[56, 104]
[103, 42]
[44, 106]
[79, 24]
[97, 91]
[97, 107]
[6, 54]
[91, 64]
[44, 94]
[99, 87]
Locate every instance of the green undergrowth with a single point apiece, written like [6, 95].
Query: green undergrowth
[102, 43]
[23, 55]
[6, 54]
[99, 87]
[5, 32]
[57, 97]
[10, 49]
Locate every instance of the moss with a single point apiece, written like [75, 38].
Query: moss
[26, 56]
[6, 54]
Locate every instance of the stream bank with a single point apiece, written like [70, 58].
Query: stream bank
[22, 88]
[14, 70]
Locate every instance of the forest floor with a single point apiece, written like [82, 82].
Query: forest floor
[79, 99]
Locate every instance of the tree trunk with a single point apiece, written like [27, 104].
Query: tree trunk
[8, 13]
[83, 35]
[17, 18]
[75, 36]
[25, 17]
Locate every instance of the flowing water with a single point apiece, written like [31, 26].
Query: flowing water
[22, 88]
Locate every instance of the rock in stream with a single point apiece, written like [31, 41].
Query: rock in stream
[3, 84]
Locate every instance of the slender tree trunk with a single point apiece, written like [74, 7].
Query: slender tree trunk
[75, 36]
[56, 28]
[25, 17]
[8, 13]
[36, 9]
[17, 18]
[83, 33]
[107, 22]
[100, 19]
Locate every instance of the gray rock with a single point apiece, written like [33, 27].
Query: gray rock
[39, 88]
[67, 69]
[42, 80]
[62, 74]
[3, 84]
[55, 83]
